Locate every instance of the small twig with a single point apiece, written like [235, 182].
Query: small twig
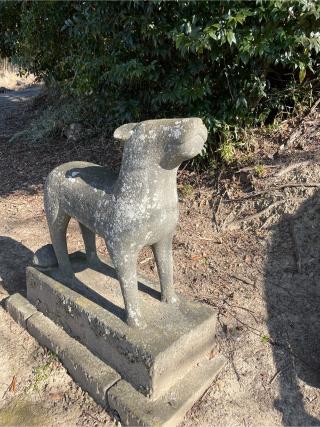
[245, 309]
[254, 330]
[243, 279]
[232, 215]
[11, 387]
[277, 187]
[277, 374]
[227, 77]
[92, 416]
[236, 224]
[250, 168]
[218, 182]
[297, 255]
[298, 132]
[145, 260]
[294, 136]
[313, 108]
[210, 240]
[291, 167]
[215, 214]
[234, 366]
[181, 170]
[251, 328]
[267, 222]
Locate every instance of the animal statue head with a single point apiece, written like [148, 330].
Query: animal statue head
[167, 142]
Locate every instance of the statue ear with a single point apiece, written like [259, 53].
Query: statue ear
[124, 132]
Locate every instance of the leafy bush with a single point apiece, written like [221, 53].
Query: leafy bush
[10, 14]
[233, 63]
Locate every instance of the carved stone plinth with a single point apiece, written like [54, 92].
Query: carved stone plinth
[104, 384]
[152, 359]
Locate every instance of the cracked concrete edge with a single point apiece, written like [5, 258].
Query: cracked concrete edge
[93, 375]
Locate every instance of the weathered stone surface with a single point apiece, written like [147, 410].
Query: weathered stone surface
[87, 370]
[106, 386]
[152, 359]
[138, 207]
[48, 334]
[19, 308]
[135, 409]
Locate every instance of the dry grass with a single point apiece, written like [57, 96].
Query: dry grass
[10, 79]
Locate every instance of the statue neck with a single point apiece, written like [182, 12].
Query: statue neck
[148, 179]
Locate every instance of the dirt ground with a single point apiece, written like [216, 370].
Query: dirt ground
[248, 243]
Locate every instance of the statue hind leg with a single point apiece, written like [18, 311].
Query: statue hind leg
[58, 229]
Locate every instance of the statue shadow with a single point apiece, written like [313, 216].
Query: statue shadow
[292, 290]
[14, 258]
[79, 263]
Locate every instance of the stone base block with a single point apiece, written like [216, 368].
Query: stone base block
[19, 308]
[93, 375]
[135, 409]
[105, 385]
[152, 359]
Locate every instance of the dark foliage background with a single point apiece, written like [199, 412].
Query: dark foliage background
[233, 63]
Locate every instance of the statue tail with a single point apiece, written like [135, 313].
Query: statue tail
[45, 257]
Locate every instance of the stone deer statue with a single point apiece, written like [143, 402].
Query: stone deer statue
[136, 208]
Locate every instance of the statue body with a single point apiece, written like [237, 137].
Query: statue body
[138, 207]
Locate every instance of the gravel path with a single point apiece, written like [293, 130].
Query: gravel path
[10, 102]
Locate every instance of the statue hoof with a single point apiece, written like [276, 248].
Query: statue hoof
[135, 321]
[169, 299]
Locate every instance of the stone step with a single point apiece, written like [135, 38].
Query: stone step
[93, 375]
[105, 385]
[152, 359]
[134, 409]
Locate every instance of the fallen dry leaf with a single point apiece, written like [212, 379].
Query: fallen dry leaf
[56, 396]
[196, 257]
[13, 384]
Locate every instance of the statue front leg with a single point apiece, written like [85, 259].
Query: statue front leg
[125, 264]
[163, 255]
[58, 230]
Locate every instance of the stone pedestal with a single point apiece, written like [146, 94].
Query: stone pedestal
[169, 359]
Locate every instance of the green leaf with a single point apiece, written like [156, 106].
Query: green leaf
[265, 339]
[302, 74]
[231, 37]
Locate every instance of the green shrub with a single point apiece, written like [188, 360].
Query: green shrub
[10, 14]
[233, 63]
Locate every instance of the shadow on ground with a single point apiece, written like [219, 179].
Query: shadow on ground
[14, 258]
[292, 290]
